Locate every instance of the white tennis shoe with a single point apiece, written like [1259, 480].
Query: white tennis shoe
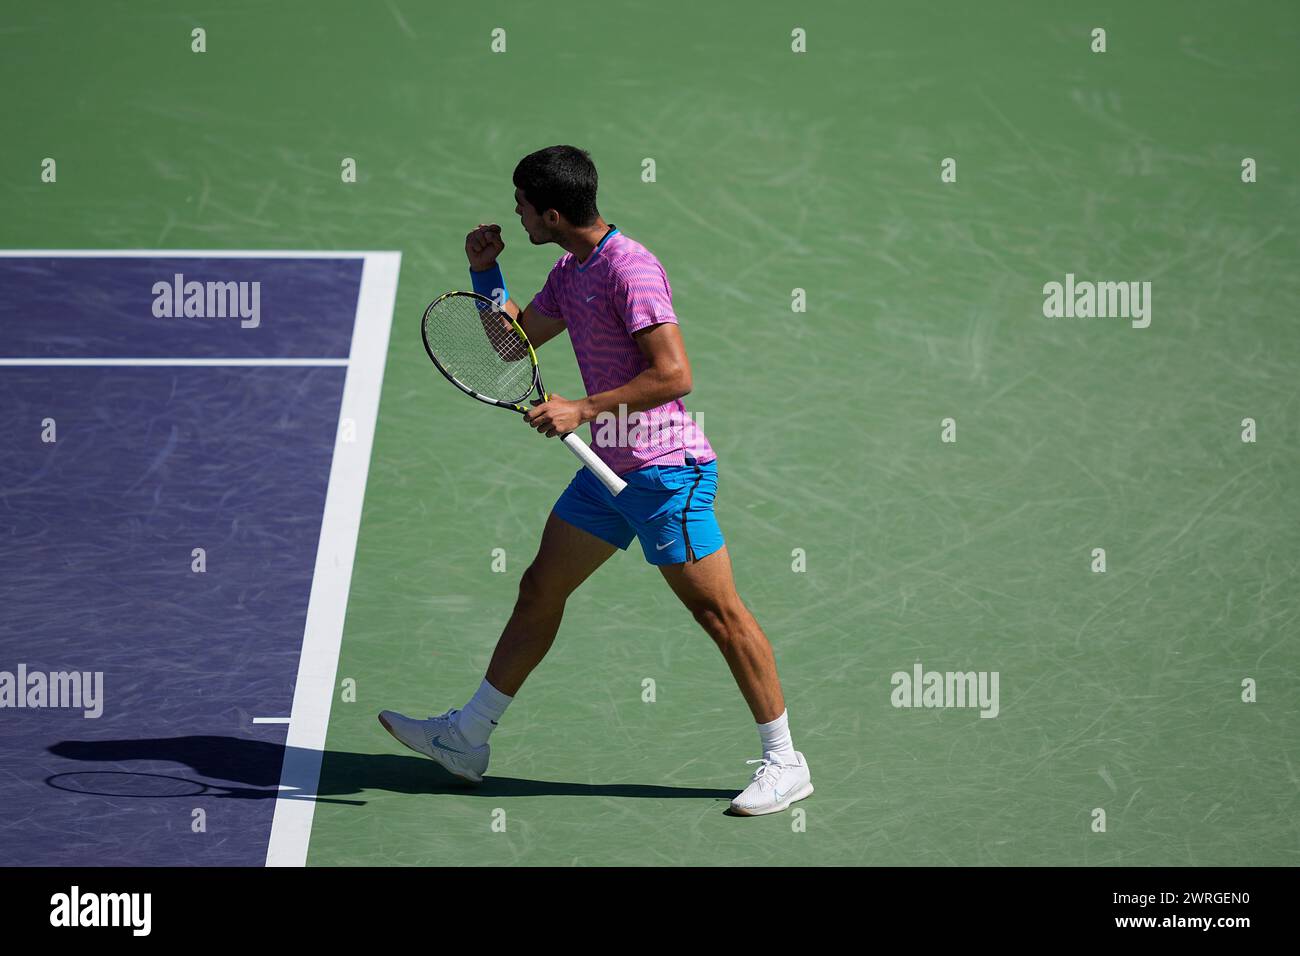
[775, 786]
[439, 739]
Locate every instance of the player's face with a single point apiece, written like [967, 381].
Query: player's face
[538, 232]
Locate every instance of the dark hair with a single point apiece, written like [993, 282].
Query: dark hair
[562, 178]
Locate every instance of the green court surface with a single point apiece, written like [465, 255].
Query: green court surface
[1119, 691]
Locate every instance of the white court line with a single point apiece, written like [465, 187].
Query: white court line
[271, 720]
[295, 806]
[168, 362]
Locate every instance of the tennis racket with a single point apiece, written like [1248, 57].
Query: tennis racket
[485, 353]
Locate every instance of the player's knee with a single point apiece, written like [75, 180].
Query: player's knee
[721, 622]
[536, 595]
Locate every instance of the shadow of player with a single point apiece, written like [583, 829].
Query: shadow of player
[238, 768]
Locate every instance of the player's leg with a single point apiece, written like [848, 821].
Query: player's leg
[708, 590]
[580, 535]
[566, 557]
[671, 509]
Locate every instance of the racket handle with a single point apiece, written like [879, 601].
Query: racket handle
[613, 482]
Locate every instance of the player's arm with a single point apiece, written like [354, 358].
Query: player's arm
[482, 247]
[539, 328]
[667, 379]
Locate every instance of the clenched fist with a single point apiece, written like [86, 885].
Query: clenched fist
[483, 245]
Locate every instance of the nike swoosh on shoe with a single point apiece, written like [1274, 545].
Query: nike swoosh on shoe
[437, 742]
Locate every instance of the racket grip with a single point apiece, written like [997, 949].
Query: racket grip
[584, 454]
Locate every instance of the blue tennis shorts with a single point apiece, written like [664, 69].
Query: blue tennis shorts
[668, 507]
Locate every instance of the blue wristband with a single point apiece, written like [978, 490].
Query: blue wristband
[488, 281]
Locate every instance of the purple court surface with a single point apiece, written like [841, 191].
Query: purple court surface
[170, 480]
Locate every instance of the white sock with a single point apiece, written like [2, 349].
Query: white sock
[775, 736]
[477, 719]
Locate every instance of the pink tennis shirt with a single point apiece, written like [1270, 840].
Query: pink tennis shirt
[621, 289]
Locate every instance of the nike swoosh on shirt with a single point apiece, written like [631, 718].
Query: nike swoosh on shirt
[660, 547]
[590, 297]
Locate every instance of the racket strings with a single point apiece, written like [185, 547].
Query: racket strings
[476, 343]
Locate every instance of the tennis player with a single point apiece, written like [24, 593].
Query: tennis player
[613, 298]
